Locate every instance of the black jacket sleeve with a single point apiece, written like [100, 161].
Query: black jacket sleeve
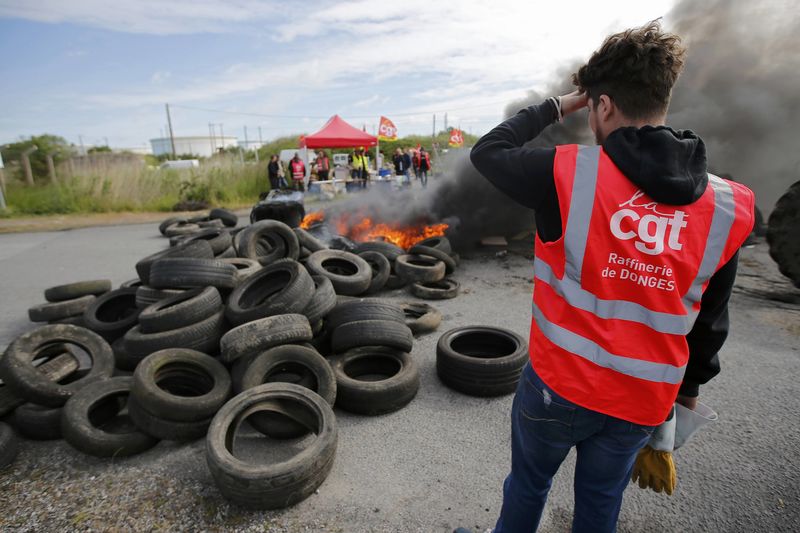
[524, 174]
[710, 330]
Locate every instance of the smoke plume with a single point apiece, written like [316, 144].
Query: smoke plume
[739, 92]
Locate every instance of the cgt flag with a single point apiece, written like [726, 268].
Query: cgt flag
[387, 131]
[456, 138]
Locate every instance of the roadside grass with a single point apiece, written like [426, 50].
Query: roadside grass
[134, 187]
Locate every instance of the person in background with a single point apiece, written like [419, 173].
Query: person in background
[400, 166]
[415, 163]
[422, 165]
[359, 167]
[297, 169]
[407, 164]
[273, 171]
[323, 165]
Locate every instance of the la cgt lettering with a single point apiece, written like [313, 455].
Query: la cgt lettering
[651, 230]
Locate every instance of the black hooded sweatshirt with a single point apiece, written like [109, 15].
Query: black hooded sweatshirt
[668, 165]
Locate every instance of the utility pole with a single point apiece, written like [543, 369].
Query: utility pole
[260, 144]
[246, 144]
[222, 135]
[445, 122]
[433, 135]
[171, 135]
[3, 205]
[83, 150]
[211, 138]
[106, 138]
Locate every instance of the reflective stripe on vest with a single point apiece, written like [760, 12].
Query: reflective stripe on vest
[576, 235]
[591, 351]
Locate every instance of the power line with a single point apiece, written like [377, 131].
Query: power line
[395, 114]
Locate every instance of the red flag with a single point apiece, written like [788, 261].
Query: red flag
[387, 131]
[456, 138]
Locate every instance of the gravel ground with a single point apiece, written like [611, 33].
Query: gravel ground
[439, 462]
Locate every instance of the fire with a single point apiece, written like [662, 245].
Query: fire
[362, 228]
[312, 218]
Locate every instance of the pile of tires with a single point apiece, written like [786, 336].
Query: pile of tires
[263, 323]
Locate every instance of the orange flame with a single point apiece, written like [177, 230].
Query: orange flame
[362, 228]
[312, 218]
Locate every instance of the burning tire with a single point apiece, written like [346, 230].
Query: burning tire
[481, 360]
[387, 333]
[375, 380]
[288, 364]
[280, 484]
[349, 273]
[419, 268]
[436, 290]
[421, 318]
[783, 234]
[381, 269]
[280, 288]
[111, 435]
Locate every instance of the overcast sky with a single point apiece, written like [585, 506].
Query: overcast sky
[104, 69]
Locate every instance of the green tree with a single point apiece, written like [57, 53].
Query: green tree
[98, 150]
[46, 144]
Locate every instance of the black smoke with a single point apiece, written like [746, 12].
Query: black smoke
[740, 91]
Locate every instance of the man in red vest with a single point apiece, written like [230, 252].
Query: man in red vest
[636, 254]
[298, 171]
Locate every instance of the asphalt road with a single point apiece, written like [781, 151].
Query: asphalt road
[438, 463]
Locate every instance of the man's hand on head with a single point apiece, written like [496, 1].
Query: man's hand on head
[574, 101]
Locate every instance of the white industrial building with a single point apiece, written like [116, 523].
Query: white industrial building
[200, 145]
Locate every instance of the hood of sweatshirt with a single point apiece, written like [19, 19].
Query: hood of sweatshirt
[668, 165]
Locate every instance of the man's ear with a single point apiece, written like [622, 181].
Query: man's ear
[605, 108]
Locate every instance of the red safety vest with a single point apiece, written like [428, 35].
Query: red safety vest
[298, 169]
[616, 295]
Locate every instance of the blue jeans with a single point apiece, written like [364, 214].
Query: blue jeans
[544, 426]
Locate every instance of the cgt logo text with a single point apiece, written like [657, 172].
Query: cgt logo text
[651, 230]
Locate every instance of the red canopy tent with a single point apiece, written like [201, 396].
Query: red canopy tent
[336, 133]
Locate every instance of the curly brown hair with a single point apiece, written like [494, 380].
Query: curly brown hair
[636, 68]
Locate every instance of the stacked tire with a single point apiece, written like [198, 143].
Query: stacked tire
[375, 373]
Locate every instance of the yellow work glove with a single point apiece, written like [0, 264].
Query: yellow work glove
[655, 469]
